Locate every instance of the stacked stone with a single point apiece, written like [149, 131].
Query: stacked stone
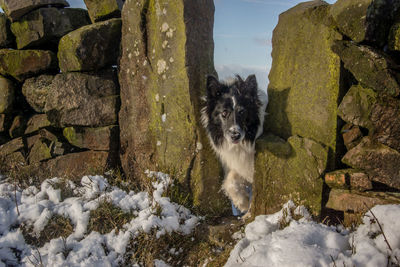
[59, 86]
[333, 109]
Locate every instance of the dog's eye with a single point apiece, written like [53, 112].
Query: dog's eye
[224, 114]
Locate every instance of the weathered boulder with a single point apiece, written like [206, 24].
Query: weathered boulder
[348, 179]
[380, 162]
[288, 171]
[22, 64]
[6, 38]
[45, 26]
[369, 66]
[37, 122]
[305, 77]
[103, 138]
[356, 106]
[357, 202]
[394, 37]
[35, 90]
[365, 20]
[7, 89]
[167, 51]
[78, 99]
[17, 127]
[91, 47]
[16, 9]
[103, 9]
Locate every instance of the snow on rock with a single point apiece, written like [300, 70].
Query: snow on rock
[81, 248]
[307, 243]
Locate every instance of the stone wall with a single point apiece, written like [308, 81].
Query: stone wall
[332, 132]
[59, 93]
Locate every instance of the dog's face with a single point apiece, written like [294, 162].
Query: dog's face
[232, 110]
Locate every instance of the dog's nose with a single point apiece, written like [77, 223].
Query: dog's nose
[235, 134]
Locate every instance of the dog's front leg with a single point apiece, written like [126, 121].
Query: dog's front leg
[234, 187]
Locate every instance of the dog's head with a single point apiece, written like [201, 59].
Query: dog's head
[232, 110]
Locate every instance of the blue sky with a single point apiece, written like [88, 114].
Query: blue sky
[242, 35]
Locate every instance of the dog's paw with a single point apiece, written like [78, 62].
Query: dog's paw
[246, 216]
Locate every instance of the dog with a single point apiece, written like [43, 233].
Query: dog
[233, 118]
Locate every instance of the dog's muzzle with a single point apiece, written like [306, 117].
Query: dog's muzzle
[236, 134]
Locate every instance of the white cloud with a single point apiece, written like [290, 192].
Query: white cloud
[77, 3]
[226, 72]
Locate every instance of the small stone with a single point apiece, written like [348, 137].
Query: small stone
[35, 91]
[348, 179]
[18, 126]
[351, 135]
[40, 151]
[16, 9]
[36, 122]
[103, 9]
[11, 146]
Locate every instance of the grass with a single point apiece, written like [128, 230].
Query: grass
[108, 217]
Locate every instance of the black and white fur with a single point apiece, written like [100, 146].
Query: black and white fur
[233, 118]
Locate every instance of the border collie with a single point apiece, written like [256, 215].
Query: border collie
[233, 118]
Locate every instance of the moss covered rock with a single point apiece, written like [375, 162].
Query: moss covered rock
[305, 76]
[40, 151]
[22, 64]
[45, 26]
[6, 37]
[365, 20]
[83, 99]
[369, 66]
[288, 171]
[91, 47]
[7, 89]
[35, 90]
[394, 37]
[103, 9]
[167, 51]
[103, 138]
[380, 162]
[16, 9]
[357, 105]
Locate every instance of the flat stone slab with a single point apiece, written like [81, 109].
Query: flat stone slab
[22, 64]
[102, 138]
[357, 202]
[15, 9]
[37, 122]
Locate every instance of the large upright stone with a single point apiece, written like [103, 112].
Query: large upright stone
[365, 20]
[22, 64]
[15, 9]
[92, 47]
[6, 37]
[103, 9]
[167, 51]
[288, 171]
[305, 76]
[47, 26]
[83, 99]
[369, 66]
[7, 89]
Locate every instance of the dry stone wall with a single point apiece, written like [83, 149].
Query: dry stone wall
[333, 136]
[59, 89]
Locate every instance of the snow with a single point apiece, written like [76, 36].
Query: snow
[280, 239]
[307, 243]
[36, 207]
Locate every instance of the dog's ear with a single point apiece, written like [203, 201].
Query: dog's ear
[251, 85]
[213, 86]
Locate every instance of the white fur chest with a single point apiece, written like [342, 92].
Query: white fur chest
[239, 158]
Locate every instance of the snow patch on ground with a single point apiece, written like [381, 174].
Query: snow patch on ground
[307, 243]
[85, 249]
